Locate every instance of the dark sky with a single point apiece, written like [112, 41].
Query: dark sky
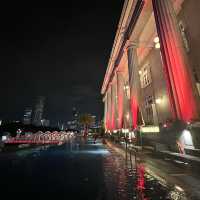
[57, 51]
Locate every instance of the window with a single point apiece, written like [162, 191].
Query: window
[197, 80]
[145, 76]
[149, 109]
[184, 36]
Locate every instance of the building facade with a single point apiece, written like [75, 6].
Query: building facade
[153, 74]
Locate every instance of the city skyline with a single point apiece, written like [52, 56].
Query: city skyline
[52, 52]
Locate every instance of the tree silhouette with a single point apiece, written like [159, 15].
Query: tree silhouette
[86, 120]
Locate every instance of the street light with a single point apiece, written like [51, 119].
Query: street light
[158, 101]
[157, 42]
[127, 116]
[126, 87]
[156, 39]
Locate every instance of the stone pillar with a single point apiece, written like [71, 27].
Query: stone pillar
[134, 84]
[105, 100]
[114, 104]
[120, 99]
[108, 115]
[127, 110]
[177, 70]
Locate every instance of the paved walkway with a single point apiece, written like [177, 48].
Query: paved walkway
[176, 174]
[183, 157]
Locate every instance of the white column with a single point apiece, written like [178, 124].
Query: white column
[120, 99]
[134, 83]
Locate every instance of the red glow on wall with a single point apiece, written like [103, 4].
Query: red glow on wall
[113, 117]
[134, 111]
[176, 67]
[108, 124]
[181, 81]
[120, 100]
[120, 110]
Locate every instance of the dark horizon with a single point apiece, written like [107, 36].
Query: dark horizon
[58, 52]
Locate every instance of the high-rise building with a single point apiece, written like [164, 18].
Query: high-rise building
[27, 116]
[75, 113]
[73, 123]
[45, 122]
[93, 124]
[38, 112]
[75, 118]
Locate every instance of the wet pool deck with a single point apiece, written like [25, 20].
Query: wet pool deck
[78, 170]
[177, 174]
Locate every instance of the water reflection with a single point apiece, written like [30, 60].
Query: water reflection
[83, 170]
[125, 180]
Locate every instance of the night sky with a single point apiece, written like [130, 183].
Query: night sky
[57, 51]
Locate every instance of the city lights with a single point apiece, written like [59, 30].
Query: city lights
[4, 138]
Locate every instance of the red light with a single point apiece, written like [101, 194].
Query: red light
[134, 110]
[176, 67]
[165, 125]
[140, 180]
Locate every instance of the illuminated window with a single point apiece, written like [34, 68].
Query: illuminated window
[198, 87]
[184, 36]
[197, 79]
[127, 90]
[145, 76]
[149, 109]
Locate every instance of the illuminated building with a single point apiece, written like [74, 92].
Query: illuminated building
[27, 116]
[74, 122]
[154, 68]
[38, 112]
[45, 122]
[94, 121]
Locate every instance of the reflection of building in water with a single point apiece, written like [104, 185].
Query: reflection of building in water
[27, 116]
[38, 112]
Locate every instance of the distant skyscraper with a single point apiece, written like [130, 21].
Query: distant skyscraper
[74, 122]
[75, 113]
[27, 116]
[93, 125]
[45, 122]
[38, 112]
